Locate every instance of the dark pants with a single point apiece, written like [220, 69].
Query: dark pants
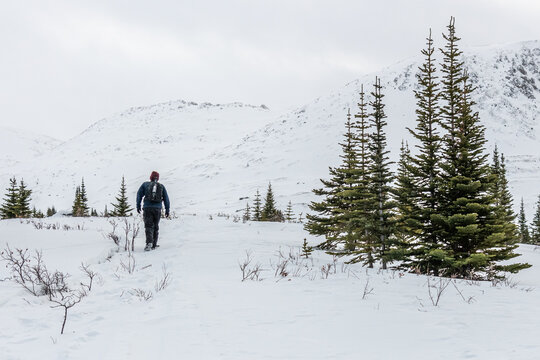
[151, 225]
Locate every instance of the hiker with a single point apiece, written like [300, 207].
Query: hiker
[154, 194]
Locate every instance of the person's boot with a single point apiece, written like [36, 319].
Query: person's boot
[148, 247]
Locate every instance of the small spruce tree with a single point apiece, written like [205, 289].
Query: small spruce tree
[269, 210]
[84, 209]
[247, 213]
[289, 216]
[76, 208]
[51, 211]
[405, 195]
[535, 225]
[121, 208]
[257, 207]
[9, 207]
[524, 235]
[306, 249]
[23, 201]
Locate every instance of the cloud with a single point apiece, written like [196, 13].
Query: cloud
[66, 64]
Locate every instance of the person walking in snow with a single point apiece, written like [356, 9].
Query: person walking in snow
[154, 194]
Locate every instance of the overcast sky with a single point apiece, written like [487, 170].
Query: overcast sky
[67, 64]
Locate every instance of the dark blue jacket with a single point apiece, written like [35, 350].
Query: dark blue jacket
[149, 204]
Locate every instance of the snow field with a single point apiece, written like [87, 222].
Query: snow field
[207, 312]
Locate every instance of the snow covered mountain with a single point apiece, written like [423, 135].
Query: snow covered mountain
[17, 146]
[166, 137]
[214, 157]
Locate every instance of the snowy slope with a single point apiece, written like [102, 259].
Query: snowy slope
[164, 137]
[211, 156]
[295, 150]
[18, 145]
[208, 313]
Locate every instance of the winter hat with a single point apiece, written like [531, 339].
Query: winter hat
[154, 176]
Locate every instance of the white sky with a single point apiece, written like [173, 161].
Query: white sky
[67, 64]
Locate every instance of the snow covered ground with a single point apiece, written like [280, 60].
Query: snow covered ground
[207, 312]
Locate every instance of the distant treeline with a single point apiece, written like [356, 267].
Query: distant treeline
[16, 203]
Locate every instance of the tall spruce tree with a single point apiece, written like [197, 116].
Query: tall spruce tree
[535, 225]
[465, 174]
[360, 197]
[336, 218]
[503, 200]
[473, 235]
[451, 93]
[424, 250]
[405, 195]
[121, 208]
[381, 224]
[9, 207]
[345, 232]
[269, 210]
[524, 235]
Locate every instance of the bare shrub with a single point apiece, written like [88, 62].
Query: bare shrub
[505, 281]
[67, 302]
[325, 270]
[436, 290]
[112, 234]
[40, 225]
[142, 294]
[128, 265]
[368, 290]
[32, 274]
[281, 268]
[90, 274]
[165, 280]
[249, 272]
[130, 231]
[18, 262]
[468, 300]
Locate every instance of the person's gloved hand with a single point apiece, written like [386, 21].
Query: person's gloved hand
[138, 209]
[166, 214]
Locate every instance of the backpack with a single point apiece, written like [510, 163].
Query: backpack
[154, 192]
